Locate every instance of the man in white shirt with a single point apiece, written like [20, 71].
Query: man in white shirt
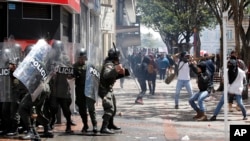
[183, 78]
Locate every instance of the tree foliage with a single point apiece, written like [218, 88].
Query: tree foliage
[175, 19]
[239, 12]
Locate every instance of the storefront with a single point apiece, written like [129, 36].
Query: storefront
[29, 20]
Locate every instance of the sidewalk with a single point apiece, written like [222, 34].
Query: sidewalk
[157, 119]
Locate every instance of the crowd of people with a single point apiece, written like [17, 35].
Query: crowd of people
[24, 112]
[204, 69]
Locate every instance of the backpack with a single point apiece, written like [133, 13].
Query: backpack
[150, 68]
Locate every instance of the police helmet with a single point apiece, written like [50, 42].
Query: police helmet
[17, 46]
[113, 53]
[83, 52]
[58, 45]
[28, 49]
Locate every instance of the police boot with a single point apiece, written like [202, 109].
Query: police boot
[85, 124]
[29, 136]
[46, 132]
[52, 122]
[68, 128]
[112, 125]
[94, 123]
[12, 132]
[105, 129]
[95, 128]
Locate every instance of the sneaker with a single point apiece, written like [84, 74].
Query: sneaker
[213, 118]
[244, 118]
[176, 107]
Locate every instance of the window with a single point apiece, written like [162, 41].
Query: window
[66, 23]
[229, 34]
[37, 11]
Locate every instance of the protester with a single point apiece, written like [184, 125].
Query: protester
[210, 67]
[142, 74]
[152, 72]
[205, 86]
[163, 65]
[183, 78]
[242, 66]
[235, 88]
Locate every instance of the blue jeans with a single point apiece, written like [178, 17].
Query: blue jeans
[179, 85]
[162, 73]
[238, 100]
[199, 97]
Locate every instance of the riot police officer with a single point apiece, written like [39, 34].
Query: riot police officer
[60, 89]
[82, 101]
[25, 109]
[111, 71]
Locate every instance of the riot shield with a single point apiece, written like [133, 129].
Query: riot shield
[94, 64]
[35, 67]
[10, 53]
[5, 81]
[13, 51]
[64, 72]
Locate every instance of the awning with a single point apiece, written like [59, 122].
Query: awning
[126, 29]
[72, 4]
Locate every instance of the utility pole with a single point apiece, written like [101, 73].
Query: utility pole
[225, 77]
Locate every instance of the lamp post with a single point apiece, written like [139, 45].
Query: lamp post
[224, 20]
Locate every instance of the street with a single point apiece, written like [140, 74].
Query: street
[156, 119]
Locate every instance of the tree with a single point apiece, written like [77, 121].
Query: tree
[238, 9]
[218, 7]
[175, 19]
